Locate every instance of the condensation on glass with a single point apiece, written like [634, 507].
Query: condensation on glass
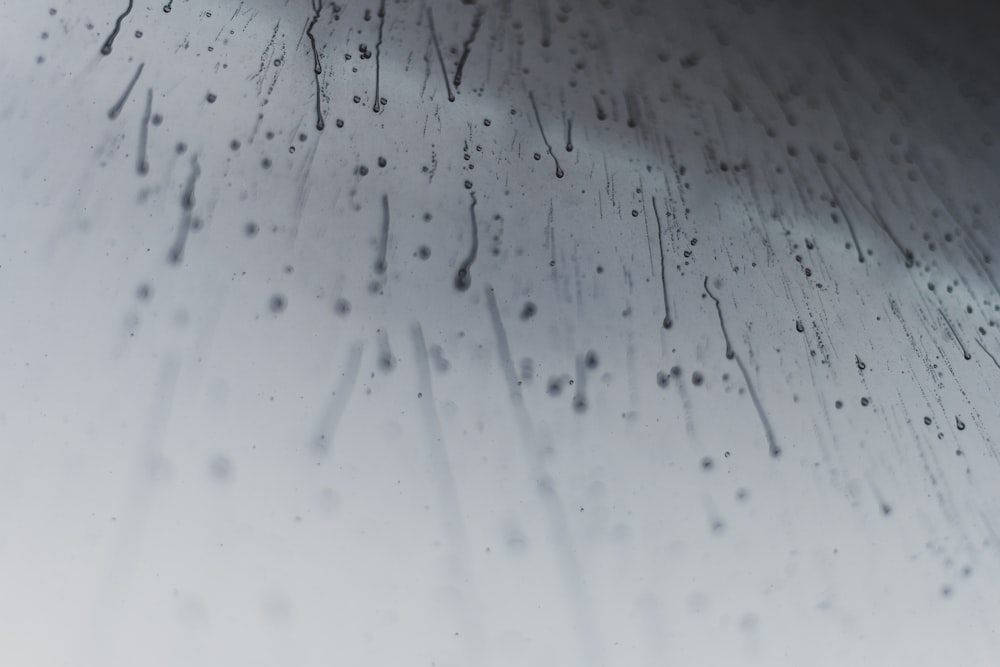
[545, 332]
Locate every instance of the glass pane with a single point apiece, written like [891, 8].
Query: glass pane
[498, 333]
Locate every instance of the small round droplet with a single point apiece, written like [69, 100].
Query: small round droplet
[220, 468]
[278, 304]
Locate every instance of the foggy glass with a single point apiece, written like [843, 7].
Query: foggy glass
[535, 332]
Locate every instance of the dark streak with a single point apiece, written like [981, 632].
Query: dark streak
[176, 253]
[988, 353]
[378, 55]
[506, 359]
[467, 47]
[463, 279]
[772, 444]
[436, 453]
[381, 263]
[630, 106]
[317, 6]
[437, 47]
[125, 545]
[601, 114]
[548, 146]
[187, 198]
[559, 535]
[580, 395]
[667, 321]
[966, 231]
[876, 215]
[847, 219]
[120, 104]
[725, 334]
[546, 23]
[444, 482]
[109, 42]
[965, 353]
[569, 135]
[908, 256]
[338, 401]
[386, 359]
[142, 165]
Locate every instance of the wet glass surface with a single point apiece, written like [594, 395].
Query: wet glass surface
[498, 333]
